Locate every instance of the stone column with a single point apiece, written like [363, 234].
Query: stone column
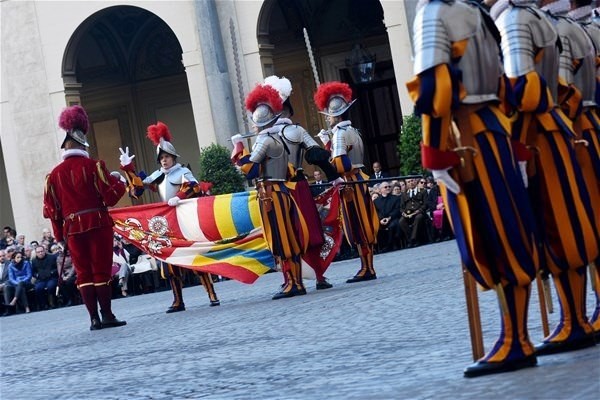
[218, 79]
[396, 20]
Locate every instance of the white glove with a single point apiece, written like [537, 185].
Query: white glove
[523, 168]
[125, 158]
[324, 136]
[235, 139]
[173, 201]
[117, 175]
[442, 175]
[338, 182]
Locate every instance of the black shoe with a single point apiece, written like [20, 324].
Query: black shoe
[366, 277]
[547, 348]
[290, 293]
[178, 308]
[96, 324]
[214, 303]
[481, 368]
[112, 322]
[324, 284]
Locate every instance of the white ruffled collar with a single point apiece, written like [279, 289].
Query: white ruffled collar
[167, 170]
[342, 124]
[75, 153]
[581, 14]
[559, 7]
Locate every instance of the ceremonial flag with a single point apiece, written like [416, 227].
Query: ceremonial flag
[221, 235]
[328, 206]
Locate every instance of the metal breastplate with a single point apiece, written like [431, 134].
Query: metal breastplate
[171, 183]
[347, 140]
[431, 36]
[524, 31]
[268, 151]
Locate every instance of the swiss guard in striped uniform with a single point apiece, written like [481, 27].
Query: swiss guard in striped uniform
[284, 227]
[577, 98]
[587, 127]
[301, 146]
[173, 183]
[457, 81]
[543, 139]
[360, 220]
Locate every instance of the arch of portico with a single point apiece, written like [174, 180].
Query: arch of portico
[334, 28]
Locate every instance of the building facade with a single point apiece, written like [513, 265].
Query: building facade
[188, 64]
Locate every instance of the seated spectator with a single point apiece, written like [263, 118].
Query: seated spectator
[47, 239]
[374, 196]
[377, 172]
[28, 252]
[397, 190]
[413, 220]
[8, 235]
[121, 264]
[19, 280]
[388, 211]
[146, 276]
[319, 180]
[67, 287]
[3, 277]
[20, 240]
[45, 272]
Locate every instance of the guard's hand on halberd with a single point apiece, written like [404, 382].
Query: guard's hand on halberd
[338, 182]
[125, 158]
[117, 175]
[523, 169]
[235, 139]
[442, 175]
[173, 201]
[324, 136]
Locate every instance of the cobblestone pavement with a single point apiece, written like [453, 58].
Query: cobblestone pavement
[403, 336]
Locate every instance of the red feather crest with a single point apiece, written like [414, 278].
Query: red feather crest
[264, 94]
[158, 131]
[326, 90]
[74, 117]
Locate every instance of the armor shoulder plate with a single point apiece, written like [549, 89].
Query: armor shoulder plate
[593, 32]
[523, 30]
[292, 133]
[437, 25]
[580, 43]
[179, 175]
[153, 177]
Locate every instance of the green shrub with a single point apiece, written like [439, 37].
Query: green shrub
[409, 146]
[216, 167]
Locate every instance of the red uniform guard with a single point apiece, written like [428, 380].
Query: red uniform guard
[77, 194]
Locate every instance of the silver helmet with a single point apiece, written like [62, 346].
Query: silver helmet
[165, 147]
[337, 106]
[160, 135]
[264, 104]
[333, 98]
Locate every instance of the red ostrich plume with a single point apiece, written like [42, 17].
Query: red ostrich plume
[264, 94]
[157, 132]
[72, 118]
[326, 90]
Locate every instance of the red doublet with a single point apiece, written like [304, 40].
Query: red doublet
[77, 192]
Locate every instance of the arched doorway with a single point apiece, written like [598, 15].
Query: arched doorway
[335, 28]
[123, 64]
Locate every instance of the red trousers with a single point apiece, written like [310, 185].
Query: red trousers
[91, 252]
